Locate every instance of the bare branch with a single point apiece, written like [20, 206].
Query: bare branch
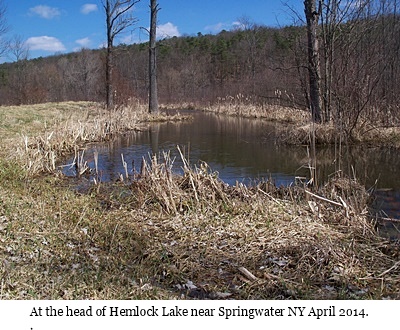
[4, 28]
[18, 48]
[117, 20]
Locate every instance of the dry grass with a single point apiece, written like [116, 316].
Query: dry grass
[163, 236]
[301, 134]
[44, 133]
[329, 134]
[168, 236]
[239, 105]
[298, 126]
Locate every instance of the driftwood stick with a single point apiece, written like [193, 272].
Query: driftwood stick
[324, 199]
[247, 274]
[269, 195]
[390, 269]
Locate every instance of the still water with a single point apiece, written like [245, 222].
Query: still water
[245, 150]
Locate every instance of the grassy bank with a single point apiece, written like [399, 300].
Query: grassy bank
[39, 135]
[163, 236]
[298, 128]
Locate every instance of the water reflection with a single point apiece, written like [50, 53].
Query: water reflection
[244, 150]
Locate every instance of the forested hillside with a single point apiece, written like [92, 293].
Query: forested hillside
[283, 185]
[254, 62]
[359, 55]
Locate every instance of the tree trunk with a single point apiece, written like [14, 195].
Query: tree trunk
[312, 16]
[109, 61]
[118, 19]
[153, 98]
[109, 83]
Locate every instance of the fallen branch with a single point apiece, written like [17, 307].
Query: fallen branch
[269, 195]
[324, 199]
[247, 274]
[390, 269]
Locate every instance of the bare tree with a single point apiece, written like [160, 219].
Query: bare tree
[153, 97]
[80, 74]
[18, 49]
[3, 29]
[312, 17]
[252, 37]
[118, 19]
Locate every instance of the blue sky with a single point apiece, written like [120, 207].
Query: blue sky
[63, 26]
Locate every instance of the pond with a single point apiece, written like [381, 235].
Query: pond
[245, 150]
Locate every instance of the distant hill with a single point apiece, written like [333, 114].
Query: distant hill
[360, 69]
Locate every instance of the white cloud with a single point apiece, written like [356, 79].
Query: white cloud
[84, 42]
[88, 8]
[102, 45]
[216, 28]
[44, 11]
[167, 30]
[238, 25]
[46, 43]
[130, 39]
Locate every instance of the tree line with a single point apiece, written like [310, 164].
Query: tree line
[349, 69]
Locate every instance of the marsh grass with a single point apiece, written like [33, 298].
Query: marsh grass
[131, 241]
[45, 133]
[369, 128]
[160, 235]
[239, 105]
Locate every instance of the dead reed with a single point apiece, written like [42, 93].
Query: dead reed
[65, 128]
[243, 106]
[255, 242]
[162, 235]
[368, 128]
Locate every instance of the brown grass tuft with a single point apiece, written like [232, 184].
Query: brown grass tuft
[161, 235]
[240, 106]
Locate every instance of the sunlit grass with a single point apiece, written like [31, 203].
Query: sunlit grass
[165, 236]
[298, 127]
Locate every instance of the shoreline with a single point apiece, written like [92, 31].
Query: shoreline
[163, 236]
[299, 126]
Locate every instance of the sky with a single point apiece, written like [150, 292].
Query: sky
[51, 27]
